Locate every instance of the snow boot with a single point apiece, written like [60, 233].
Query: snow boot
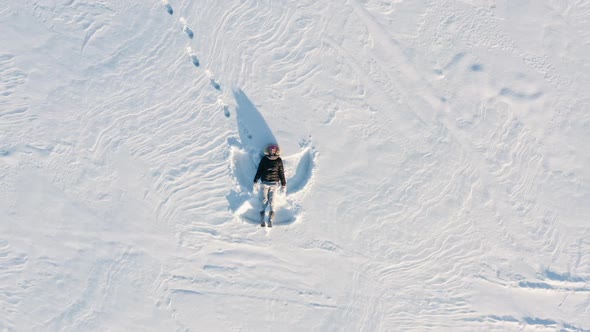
[262, 224]
[270, 218]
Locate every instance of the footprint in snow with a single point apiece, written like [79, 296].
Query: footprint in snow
[186, 29]
[168, 7]
[193, 57]
[214, 83]
[195, 60]
[224, 107]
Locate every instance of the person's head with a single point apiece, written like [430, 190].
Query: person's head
[273, 150]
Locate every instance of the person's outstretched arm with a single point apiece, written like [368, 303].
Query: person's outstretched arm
[282, 173]
[259, 171]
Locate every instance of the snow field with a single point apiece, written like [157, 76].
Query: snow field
[437, 176]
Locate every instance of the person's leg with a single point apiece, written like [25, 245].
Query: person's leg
[265, 200]
[271, 196]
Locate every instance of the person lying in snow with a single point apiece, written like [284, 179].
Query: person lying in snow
[271, 173]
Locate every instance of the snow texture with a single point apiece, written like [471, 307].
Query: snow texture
[436, 158]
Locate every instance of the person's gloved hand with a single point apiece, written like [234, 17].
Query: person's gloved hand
[284, 189]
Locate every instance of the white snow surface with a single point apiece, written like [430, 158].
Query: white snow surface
[436, 154]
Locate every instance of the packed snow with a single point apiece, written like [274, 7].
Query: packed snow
[438, 170]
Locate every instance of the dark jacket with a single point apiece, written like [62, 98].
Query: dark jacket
[270, 169]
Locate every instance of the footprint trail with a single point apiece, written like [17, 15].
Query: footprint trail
[245, 152]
